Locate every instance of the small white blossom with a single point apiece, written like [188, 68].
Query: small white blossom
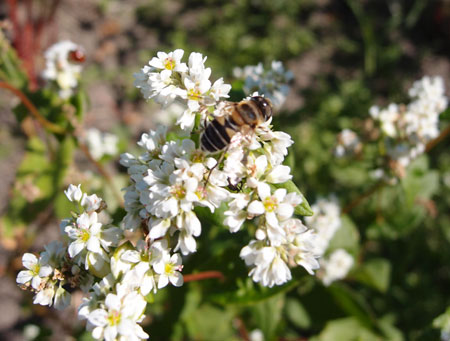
[118, 318]
[347, 143]
[325, 221]
[101, 143]
[273, 82]
[168, 268]
[336, 266]
[37, 270]
[62, 67]
[73, 193]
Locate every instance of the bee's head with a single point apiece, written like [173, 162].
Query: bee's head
[264, 104]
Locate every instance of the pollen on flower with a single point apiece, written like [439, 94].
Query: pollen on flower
[169, 268]
[114, 318]
[178, 191]
[194, 94]
[169, 63]
[270, 203]
[85, 236]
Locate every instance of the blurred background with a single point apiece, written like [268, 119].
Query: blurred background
[345, 56]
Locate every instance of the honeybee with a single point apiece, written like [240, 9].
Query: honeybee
[243, 117]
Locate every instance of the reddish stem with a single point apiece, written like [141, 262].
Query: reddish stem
[203, 275]
[54, 128]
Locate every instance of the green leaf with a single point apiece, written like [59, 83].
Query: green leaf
[297, 314]
[303, 209]
[375, 273]
[201, 320]
[354, 304]
[348, 329]
[268, 314]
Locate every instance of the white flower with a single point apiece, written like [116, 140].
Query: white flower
[336, 266]
[85, 233]
[44, 296]
[101, 143]
[325, 221]
[169, 61]
[37, 269]
[61, 68]
[236, 215]
[220, 90]
[91, 202]
[118, 318]
[73, 193]
[53, 254]
[168, 269]
[269, 268]
[347, 143]
[273, 206]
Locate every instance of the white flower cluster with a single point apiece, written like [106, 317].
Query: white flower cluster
[325, 222]
[88, 260]
[166, 79]
[347, 143]
[63, 66]
[172, 177]
[335, 267]
[407, 128]
[101, 143]
[273, 83]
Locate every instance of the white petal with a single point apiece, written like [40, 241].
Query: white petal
[285, 211]
[256, 208]
[163, 281]
[29, 260]
[110, 333]
[263, 190]
[112, 302]
[177, 279]
[23, 277]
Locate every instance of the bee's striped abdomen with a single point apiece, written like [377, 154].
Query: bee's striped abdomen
[218, 134]
[241, 117]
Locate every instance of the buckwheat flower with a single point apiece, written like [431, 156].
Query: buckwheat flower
[325, 221]
[153, 140]
[101, 143]
[62, 298]
[236, 215]
[91, 202]
[37, 270]
[347, 143]
[169, 268]
[336, 266]
[273, 82]
[197, 85]
[85, 233]
[275, 143]
[45, 296]
[53, 254]
[73, 193]
[303, 251]
[169, 61]
[119, 317]
[63, 66]
[273, 206]
[220, 90]
[269, 268]
[141, 276]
